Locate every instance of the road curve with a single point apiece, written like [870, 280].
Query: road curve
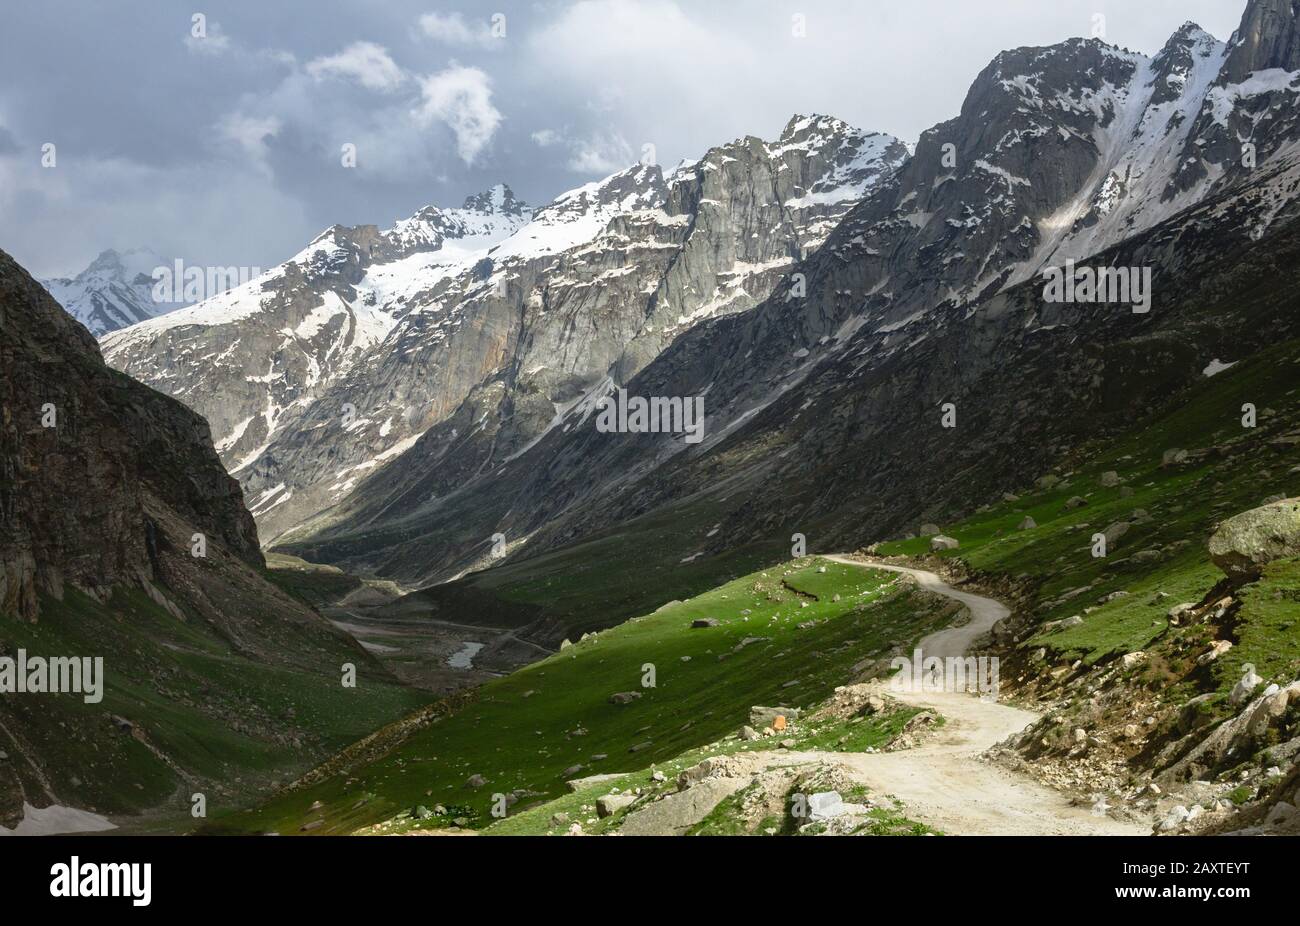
[944, 783]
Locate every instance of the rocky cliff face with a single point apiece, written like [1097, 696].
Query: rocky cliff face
[579, 300]
[505, 337]
[1268, 39]
[214, 680]
[91, 459]
[928, 288]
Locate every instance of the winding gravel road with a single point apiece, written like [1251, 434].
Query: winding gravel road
[944, 783]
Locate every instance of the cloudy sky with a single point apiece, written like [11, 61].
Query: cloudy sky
[228, 147]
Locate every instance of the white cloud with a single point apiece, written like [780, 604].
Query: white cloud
[214, 41]
[600, 154]
[452, 29]
[250, 133]
[368, 64]
[653, 71]
[461, 98]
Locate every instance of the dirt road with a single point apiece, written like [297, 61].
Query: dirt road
[943, 783]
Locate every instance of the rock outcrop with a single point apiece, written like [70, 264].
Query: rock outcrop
[1243, 545]
[93, 463]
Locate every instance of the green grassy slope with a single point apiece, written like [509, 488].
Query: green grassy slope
[601, 581]
[523, 732]
[202, 715]
[1162, 560]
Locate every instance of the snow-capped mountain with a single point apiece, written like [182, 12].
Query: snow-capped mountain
[519, 320]
[115, 291]
[588, 292]
[925, 292]
[254, 356]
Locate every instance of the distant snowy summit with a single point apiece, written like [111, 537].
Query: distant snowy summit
[115, 291]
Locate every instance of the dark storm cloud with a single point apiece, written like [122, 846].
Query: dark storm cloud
[228, 148]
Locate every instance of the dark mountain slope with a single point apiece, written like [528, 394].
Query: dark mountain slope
[925, 289]
[213, 677]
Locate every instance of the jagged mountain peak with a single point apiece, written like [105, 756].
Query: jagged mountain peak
[1189, 31]
[641, 182]
[1189, 51]
[489, 215]
[817, 125]
[130, 262]
[496, 200]
[1189, 39]
[125, 264]
[114, 291]
[581, 214]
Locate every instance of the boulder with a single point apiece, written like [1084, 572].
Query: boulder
[1173, 457]
[581, 784]
[704, 622]
[1027, 524]
[1175, 818]
[1243, 545]
[943, 543]
[929, 530]
[475, 781]
[825, 804]
[624, 697]
[1114, 532]
[1110, 479]
[1077, 501]
[1280, 812]
[674, 814]
[611, 804]
[1269, 710]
